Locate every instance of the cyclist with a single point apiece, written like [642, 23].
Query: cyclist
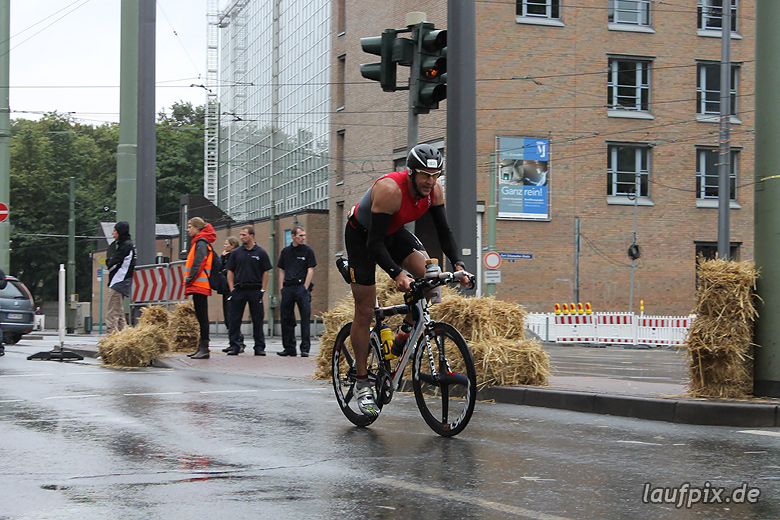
[375, 234]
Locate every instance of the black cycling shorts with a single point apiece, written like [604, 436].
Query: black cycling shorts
[362, 265]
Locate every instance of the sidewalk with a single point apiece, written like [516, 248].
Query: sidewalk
[645, 384]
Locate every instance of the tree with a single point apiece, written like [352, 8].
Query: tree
[179, 158]
[47, 152]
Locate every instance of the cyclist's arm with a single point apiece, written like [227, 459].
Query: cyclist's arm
[446, 238]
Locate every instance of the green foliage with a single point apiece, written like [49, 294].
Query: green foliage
[179, 158]
[47, 152]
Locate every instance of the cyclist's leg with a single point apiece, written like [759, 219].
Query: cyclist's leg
[362, 273]
[365, 299]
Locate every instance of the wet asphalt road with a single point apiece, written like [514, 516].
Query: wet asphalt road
[81, 441]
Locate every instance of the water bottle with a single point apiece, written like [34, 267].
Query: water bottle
[432, 270]
[386, 339]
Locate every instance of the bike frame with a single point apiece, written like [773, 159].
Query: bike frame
[420, 308]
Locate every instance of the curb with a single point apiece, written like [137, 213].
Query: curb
[682, 411]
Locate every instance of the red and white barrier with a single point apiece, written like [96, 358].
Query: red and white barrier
[616, 328]
[161, 284]
[575, 328]
[663, 330]
[611, 328]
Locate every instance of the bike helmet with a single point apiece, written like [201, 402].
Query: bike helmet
[424, 156]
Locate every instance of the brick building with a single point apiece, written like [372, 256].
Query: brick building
[577, 100]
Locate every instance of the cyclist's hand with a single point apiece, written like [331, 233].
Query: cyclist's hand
[467, 280]
[403, 282]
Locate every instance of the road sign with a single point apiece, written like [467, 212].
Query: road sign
[102, 260]
[492, 260]
[493, 276]
[3, 211]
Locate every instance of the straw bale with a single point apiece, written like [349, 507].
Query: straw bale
[494, 330]
[510, 362]
[154, 315]
[720, 374]
[726, 289]
[719, 342]
[134, 346]
[183, 328]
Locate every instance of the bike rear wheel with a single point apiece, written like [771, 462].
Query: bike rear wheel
[444, 380]
[345, 376]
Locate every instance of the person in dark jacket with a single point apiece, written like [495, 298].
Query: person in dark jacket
[196, 278]
[231, 243]
[121, 264]
[297, 263]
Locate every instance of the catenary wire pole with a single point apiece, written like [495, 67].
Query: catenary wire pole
[724, 171]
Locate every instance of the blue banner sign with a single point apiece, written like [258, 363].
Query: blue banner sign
[523, 178]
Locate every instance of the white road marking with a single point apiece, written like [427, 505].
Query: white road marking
[761, 432]
[459, 497]
[153, 393]
[26, 375]
[227, 391]
[72, 396]
[640, 442]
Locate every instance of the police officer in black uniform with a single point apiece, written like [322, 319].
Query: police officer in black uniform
[247, 275]
[297, 263]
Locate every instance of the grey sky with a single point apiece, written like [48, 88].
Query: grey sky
[75, 43]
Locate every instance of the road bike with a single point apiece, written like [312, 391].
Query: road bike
[443, 376]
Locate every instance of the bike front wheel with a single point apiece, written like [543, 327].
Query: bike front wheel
[345, 376]
[444, 380]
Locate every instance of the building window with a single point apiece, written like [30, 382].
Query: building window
[711, 15]
[550, 9]
[707, 173]
[339, 153]
[708, 89]
[341, 81]
[341, 16]
[633, 12]
[624, 163]
[628, 85]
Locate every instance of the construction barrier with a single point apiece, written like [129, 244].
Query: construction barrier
[610, 328]
[160, 284]
[575, 329]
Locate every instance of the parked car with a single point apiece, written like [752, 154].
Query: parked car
[17, 311]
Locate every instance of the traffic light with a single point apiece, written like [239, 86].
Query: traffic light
[431, 86]
[393, 51]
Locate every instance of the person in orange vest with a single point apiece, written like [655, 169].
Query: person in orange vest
[196, 278]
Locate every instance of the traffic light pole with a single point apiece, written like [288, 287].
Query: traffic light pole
[766, 375]
[413, 123]
[462, 128]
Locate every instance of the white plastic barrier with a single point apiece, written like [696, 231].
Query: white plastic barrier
[663, 330]
[575, 328]
[610, 328]
[616, 328]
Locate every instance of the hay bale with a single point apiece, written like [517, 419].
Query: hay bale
[720, 340]
[510, 362]
[183, 328]
[494, 330]
[154, 315]
[134, 346]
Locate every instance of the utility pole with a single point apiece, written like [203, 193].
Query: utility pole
[5, 132]
[766, 374]
[136, 153]
[71, 285]
[462, 127]
[724, 172]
